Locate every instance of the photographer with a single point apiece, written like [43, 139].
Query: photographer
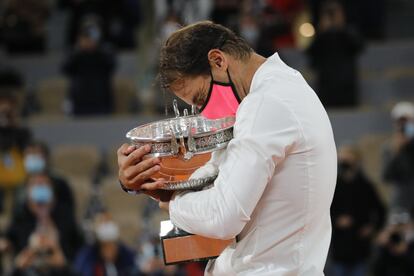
[357, 214]
[333, 55]
[42, 256]
[396, 248]
[399, 158]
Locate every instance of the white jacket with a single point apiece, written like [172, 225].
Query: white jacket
[275, 185]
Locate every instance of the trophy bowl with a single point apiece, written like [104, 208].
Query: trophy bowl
[183, 145]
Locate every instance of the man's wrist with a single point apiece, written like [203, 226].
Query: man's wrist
[127, 190]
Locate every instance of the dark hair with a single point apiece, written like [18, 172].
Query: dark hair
[42, 146]
[185, 52]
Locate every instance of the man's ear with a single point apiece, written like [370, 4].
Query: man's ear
[217, 60]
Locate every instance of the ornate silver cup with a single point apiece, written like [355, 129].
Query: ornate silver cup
[183, 144]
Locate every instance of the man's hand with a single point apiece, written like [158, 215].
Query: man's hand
[366, 231]
[164, 205]
[344, 222]
[135, 172]
[25, 258]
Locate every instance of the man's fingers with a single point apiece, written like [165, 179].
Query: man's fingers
[145, 175]
[131, 172]
[123, 149]
[164, 205]
[147, 164]
[136, 156]
[159, 184]
[129, 149]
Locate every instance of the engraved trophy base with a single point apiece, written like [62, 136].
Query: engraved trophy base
[179, 246]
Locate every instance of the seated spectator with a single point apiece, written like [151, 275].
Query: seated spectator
[151, 261]
[399, 158]
[108, 255]
[333, 54]
[357, 214]
[42, 256]
[13, 139]
[40, 213]
[90, 69]
[37, 160]
[395, 256]
[120, 19]
[24, 30]
[226, 12]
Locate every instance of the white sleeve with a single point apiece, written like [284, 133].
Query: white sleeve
[264, 131]
[211, 167]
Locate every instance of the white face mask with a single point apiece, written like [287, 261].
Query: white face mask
[250, 33]
[107, 231]
[409, 129]
[34, 163]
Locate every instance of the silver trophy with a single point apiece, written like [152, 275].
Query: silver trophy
[184, 144]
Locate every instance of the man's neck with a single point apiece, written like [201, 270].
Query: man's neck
[245, 73]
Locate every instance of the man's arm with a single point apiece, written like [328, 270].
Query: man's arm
[265, 131]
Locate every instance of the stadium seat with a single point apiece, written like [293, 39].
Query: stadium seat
[126, 209]
[76, 160]
[112, 160]
[51, 94]
[125, 96]
[81, 188]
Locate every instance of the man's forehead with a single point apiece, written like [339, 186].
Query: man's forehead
[186, 86]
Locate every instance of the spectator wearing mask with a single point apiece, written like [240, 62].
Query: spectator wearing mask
[399, 158]
[37, 160]
[357, 214]
[333, 55]
[90, 69]
[108, 256]
[395, 256]
[42, 256]
[13, 139]
[41, 215]
[249, 29]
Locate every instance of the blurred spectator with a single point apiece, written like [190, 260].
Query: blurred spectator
[399, 157]
[9, 78]
[13, 139]
[195, 10]
[42, 256]
[90, 69]
[40, 215]
[333, 55]
[276, 20]
[249, 30]
[151, 261]
[287, 11]
[171, 24]
[226, 12]
[37, 160]
[357, 214]
[108, 255]
[23, 25]
[368, 17]
[395, 255]
[119, 19]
